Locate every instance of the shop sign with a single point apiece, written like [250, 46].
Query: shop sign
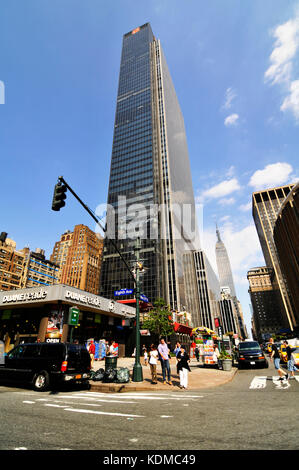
[42, 294]
[85, 299]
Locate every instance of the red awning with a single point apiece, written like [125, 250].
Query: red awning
[142, 304]
[179, 328]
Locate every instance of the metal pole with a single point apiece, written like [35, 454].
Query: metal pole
[137, 369]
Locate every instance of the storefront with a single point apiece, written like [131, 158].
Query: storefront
[42, 313]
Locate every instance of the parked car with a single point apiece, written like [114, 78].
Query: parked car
[251, 354]
[46, 364]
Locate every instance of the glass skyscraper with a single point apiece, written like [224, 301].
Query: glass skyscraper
[150, 189]
[266, 205]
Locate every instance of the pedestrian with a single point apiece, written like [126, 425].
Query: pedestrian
[145, 356]
[102, 349]
[196, 351]
[164, 358]
[91, 350]
[216, 355]
[275, 355]
[177, 350]
[113, 349]
[183, 367]
[153, 361]
[291, 363]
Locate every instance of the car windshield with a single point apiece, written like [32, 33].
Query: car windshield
[249, 346]
[296, 351]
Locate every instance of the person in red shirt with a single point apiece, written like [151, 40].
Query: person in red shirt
[91, 350]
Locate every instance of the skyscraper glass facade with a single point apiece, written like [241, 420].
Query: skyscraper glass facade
[149, 174]
[265, 208]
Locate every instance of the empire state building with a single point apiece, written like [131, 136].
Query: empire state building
[224, 267]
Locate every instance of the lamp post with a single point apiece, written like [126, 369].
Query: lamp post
[137, 369]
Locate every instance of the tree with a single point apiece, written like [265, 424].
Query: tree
[159, 319]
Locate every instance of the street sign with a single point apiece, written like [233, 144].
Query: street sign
[143, 297]
[123, 292]
[73, 316]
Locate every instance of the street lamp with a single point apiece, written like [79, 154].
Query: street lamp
[137, 369]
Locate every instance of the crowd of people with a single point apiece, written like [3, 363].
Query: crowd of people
[162, 354]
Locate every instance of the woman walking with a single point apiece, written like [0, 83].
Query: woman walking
[183, 368]
[153, 360]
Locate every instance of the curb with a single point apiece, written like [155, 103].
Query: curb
[146, 387]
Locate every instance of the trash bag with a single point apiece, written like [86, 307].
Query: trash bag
[99, 375]
[109, 375]
[92, 374]
[123, 375]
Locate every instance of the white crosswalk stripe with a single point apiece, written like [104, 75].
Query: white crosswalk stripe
[110, 404]
[260, 382]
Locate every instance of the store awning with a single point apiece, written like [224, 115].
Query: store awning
[132, 302]
[179, 328]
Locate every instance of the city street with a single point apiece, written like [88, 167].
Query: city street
[252, 412]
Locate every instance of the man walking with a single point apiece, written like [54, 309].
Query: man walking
[275, 355]
[291, 364]
[164, 352]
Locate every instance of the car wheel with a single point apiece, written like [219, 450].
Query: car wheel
[41, 381]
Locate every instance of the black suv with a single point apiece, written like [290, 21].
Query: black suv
[45, 364]
[250, 353]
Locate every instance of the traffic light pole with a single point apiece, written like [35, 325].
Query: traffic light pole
[137, 369]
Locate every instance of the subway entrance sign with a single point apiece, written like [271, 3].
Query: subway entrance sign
[73, 316]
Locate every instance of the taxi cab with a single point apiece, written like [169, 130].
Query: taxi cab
[295, 355]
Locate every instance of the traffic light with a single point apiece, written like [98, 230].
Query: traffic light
[59, 196]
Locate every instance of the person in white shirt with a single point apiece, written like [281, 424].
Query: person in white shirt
[153, 360]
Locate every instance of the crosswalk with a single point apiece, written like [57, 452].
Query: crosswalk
[127, 405]
[261, 382]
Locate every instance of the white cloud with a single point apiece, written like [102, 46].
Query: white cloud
[272, 175]
[220, 190]
[246, 207]
[227, 201]
[286, 45]
[231, 120]
[282, 60]
[291, 102]
[230, 95]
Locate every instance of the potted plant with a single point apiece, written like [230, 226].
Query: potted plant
[226, 360]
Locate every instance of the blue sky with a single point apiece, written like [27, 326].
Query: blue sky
[235, 67]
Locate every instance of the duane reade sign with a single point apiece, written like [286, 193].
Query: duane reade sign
[24, 297]
[61, 292]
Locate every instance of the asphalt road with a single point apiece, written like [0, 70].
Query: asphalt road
[250, 413]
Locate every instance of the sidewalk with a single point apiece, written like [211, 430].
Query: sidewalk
[199, 378]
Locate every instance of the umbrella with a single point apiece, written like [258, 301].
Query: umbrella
[202, 329]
